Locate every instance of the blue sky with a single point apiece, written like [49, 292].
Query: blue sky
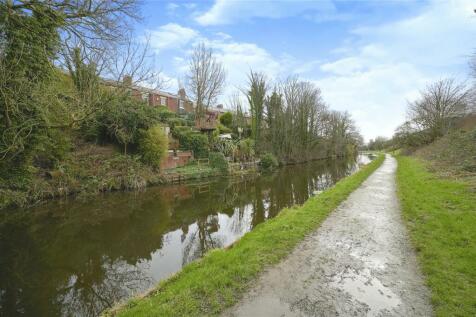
[368, 57]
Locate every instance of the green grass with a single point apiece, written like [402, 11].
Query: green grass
[209, 285]
[441, 217]
[453, 155]
[196, 171]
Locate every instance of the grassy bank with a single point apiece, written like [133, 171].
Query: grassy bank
[89, 170]
[441, 217]
[194, 171]
[452, 156]
[208, 285]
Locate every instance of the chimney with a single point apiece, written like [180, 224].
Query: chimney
[127, 80]
[182, 93]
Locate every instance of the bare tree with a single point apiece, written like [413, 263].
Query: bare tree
[410, 135]
[299, 125]
[440, 104]
[95, 24]
[206, 78]
[101, 30]
[89, 68]
[340, 133]
[132, 59]
[378, 144]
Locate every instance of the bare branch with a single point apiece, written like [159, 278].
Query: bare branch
[206, 78]
[440, 104]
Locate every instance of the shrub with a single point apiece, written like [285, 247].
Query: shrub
[120, 120]
[190, 118]
[177, 130]
[177, 122]
[153, 145]
[223, 129]
[268, 161]
[192, 141]
[225, 146]
[165, 114]
[246, 150]
[226, 119]
[218, 161]
[198, 143]
[51, 148]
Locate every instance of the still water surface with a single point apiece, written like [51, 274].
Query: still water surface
[76, 258]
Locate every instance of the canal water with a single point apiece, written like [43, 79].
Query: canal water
[76, 258]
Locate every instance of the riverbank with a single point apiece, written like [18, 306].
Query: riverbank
[196, 171]
[86, 175]
[217, 281]
[91, 170]
[120, 173]
[441, 217]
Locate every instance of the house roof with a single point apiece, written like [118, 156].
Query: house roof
[145, 89]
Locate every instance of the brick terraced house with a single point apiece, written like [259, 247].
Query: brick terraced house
[178, 103]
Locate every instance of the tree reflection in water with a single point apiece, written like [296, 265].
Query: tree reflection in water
[76, 258]
[119, 281]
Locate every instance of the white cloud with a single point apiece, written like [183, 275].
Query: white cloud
[237, 57]
[344, 66]
[171, 36]
[227, 12]
[171, 7]
[223, 35]
[376, 97]
[442, 34]
[386, 65]
[174, 9]
[190, 5]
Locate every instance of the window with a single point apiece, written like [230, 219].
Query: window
[181, 106]
[163, 101]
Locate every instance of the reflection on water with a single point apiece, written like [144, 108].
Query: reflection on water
[75, 258]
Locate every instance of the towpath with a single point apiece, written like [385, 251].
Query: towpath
[358, 263]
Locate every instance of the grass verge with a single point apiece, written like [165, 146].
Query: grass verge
[217, 281]
[441, 217]
[193, 171]
[452, 156]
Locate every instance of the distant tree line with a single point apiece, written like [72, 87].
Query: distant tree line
[291, 120]
[378, 144]
[287, 119]
[441, 106]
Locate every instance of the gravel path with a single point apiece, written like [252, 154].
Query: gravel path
[358, 263]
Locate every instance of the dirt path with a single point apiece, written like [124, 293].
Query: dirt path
[358, 263]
